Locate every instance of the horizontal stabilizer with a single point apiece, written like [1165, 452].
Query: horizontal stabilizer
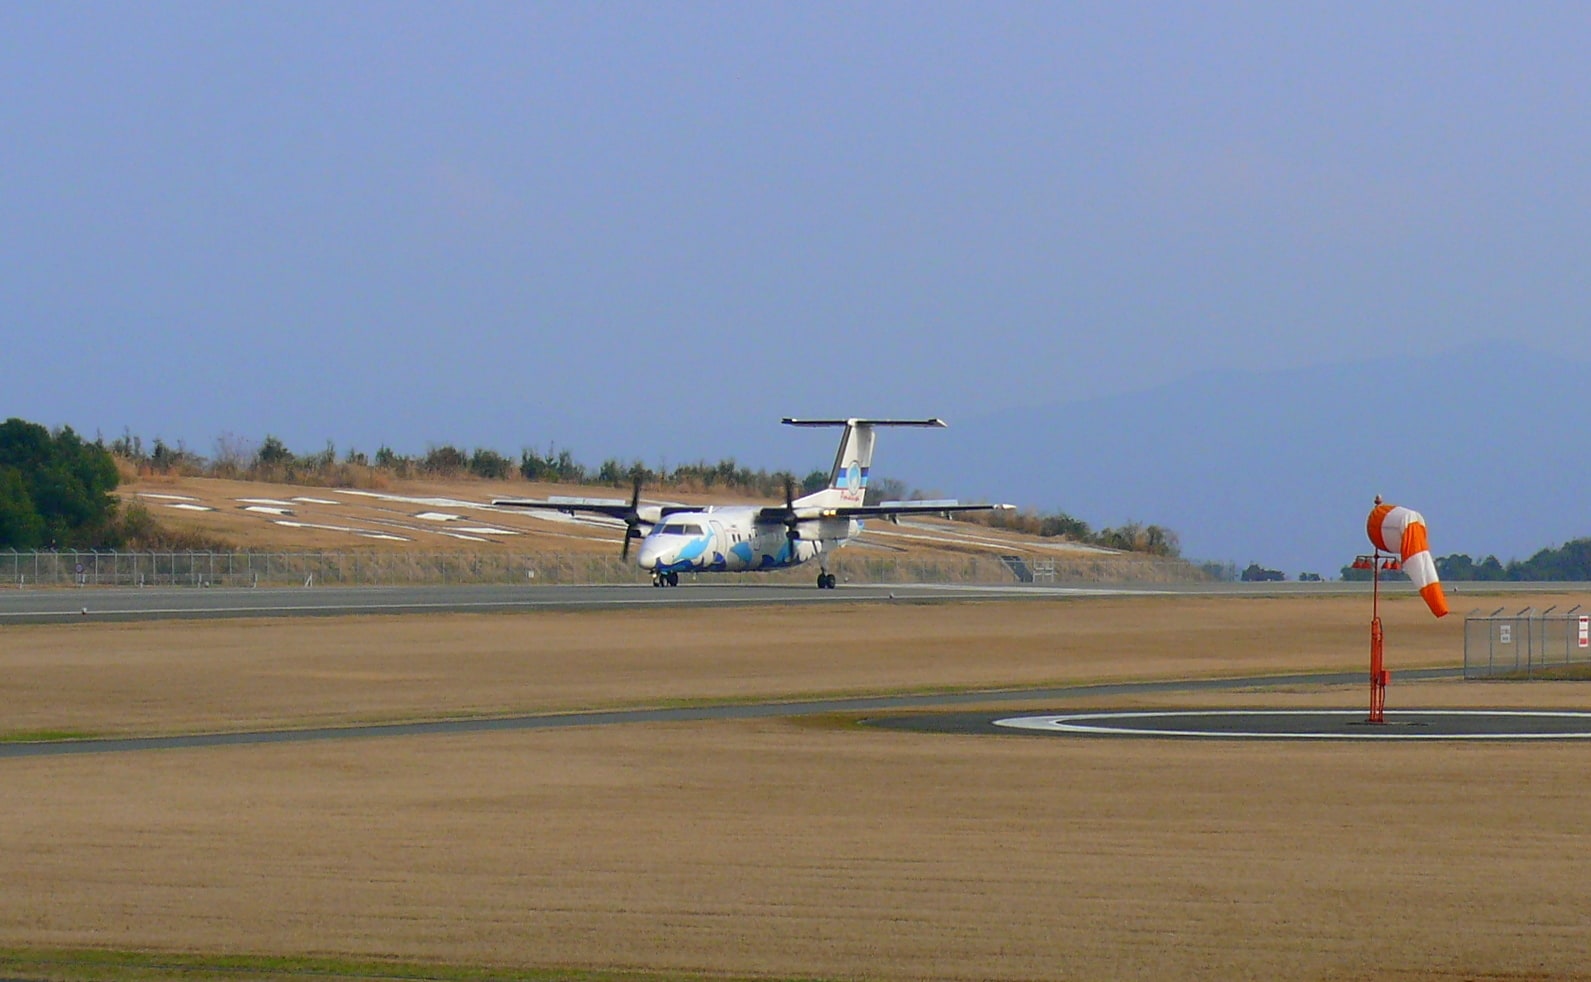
[789, 421]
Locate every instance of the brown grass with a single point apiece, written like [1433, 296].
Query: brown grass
[780, 849]
[199, 675]
[231, 523]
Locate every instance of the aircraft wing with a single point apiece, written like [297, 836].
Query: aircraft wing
[611, 507]
[885, 509]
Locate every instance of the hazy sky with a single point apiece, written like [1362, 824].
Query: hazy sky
[652, 229]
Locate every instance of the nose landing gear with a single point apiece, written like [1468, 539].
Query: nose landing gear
[665, 579]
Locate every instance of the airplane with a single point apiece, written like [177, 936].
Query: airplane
[757, 538]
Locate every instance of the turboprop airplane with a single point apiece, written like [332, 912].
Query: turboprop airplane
[755, 538]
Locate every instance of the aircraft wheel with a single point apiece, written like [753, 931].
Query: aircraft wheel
[673, 579]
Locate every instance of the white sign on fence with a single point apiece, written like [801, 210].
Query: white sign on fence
[1585, 631]
[1505, 634]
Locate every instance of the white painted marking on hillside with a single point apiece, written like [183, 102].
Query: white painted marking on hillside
[278, 502]
[405, 499]
[166, 497]
[268, 509]
[316, 501]
[365, 533]
[186, 506]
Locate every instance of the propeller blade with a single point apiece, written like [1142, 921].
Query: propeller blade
[792, 530]
[632, 521]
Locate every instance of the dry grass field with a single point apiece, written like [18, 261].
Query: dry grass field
[780, 847]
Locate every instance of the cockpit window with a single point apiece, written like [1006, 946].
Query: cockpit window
[681, 528]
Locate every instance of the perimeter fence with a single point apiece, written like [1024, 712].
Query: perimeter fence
[1528, 644]
[252, 569]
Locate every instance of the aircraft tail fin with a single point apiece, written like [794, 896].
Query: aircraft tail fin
[848, 478]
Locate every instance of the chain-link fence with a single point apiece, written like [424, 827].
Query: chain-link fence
[1528, 644]
[233, 569]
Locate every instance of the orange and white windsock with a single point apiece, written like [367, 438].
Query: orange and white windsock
[1400, 530]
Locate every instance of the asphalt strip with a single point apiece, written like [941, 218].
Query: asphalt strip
[982, 722]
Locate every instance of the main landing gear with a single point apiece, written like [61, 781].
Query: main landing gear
[665, 579]
[826, 581]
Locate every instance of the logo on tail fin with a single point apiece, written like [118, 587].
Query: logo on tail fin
[848, 478]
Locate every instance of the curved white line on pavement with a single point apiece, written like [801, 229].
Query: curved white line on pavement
[1090, 724]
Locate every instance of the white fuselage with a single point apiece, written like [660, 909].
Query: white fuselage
[731, 539]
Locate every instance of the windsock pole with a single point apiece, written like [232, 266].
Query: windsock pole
[1379, 676]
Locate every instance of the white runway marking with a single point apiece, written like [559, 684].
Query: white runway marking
[1120, 724]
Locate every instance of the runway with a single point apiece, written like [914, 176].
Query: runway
[131, 604]
[55, 606]
[976, 722]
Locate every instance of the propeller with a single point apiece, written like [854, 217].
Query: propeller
[792, 524]
[632, 518]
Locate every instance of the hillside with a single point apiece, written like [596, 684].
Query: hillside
[457, 516]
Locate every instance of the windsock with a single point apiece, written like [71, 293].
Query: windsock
[1401, 530]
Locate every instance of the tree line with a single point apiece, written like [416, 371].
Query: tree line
[272, 461]
[1570, 562]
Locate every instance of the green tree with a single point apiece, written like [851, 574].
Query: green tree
[446, 460]
[20, 524]
[273, 453]
[319, 463]
[24, 445]
[489, 464]
[1458, 566]
[65, 483]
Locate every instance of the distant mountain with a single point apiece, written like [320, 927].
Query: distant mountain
[1490, 442]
